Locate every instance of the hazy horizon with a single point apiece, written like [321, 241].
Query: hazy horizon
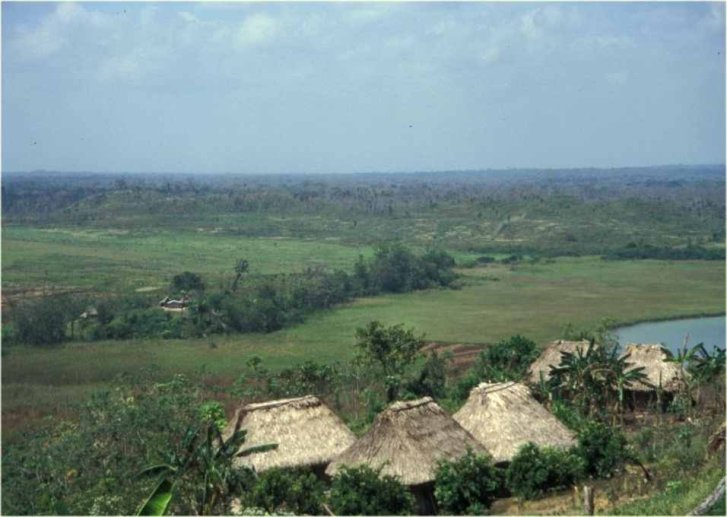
[288, 88]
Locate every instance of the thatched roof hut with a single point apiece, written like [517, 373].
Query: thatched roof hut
[551, 357]
[307, 432]
[504, 416]
[407, 440]
[659, 372]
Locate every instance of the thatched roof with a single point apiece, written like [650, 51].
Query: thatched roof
[551, 357]
[504, 416]
[307, 432]
[652, 357]
[408, 439]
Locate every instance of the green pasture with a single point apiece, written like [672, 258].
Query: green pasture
[535, 300]
[128, 260]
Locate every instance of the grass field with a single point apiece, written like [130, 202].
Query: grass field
[123, 261]
[495, 302]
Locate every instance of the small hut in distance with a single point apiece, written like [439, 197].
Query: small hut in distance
[408, 440]
[551, 357]
[505, 416]
[307, 432]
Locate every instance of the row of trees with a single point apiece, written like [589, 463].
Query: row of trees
[260, 304]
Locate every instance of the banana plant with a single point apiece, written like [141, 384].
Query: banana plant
[206, 459]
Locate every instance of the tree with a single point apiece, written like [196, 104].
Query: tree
[432, 378]
[43, 321]
[241, 268]
[391, 350]
[186, 282]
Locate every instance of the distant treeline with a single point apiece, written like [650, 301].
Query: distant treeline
[549, 212]
[634, 251]
[263, 304]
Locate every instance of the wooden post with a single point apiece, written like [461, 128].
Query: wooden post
[587, 500]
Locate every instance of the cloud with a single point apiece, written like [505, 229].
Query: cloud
[55, 31]
[257, 29]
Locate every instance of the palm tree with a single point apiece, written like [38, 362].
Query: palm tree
[241, 268]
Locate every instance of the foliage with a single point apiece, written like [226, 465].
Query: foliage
[391, 350]
[535, 470]
[186, 282]
[241, 268]
[43, 321]
[309, 378]
[507, 360]
[141, 323]
[395, 269]
[362, 491]
[466, 486]
[205, 468]
[593, 377]
[602, 449]
[641, 251]
[287, 490]
[212, 412]
[70, 467]
[431, 379]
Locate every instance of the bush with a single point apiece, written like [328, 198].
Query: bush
[507, 360]
[186, 282]
[140, 323]
[361, 491]
[431, 380]
[602, 448]
[466, 486]
[287, 490]
[533, 470]
[94, 462]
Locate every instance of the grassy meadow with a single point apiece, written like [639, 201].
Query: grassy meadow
[122, 260]
[494, 302]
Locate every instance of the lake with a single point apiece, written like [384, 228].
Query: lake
[710, 331]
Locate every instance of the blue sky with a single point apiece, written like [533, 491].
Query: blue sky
[348, 87]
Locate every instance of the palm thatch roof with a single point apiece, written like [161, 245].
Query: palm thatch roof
[659, 372]
[551, 356]
[504, 416]
[407, 440]
[306, 431]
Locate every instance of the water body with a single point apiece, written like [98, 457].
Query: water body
[710, 331]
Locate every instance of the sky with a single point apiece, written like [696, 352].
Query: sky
[354, 87]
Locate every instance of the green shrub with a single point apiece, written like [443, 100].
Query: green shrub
[507, 360]
[293, 490]
[42, 321]
[431, 379]
[186, 282]
[94, 462]
[361, 491]
[466, 486]
[533, 470]
[602, 448]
